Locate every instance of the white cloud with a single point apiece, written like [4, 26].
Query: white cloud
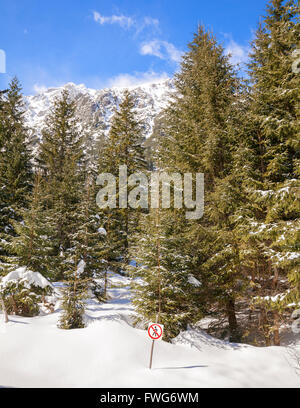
[122, 20]
[128, 22]
[123, 80]
[239, 53]
[152, 48]
[161, 49]
[136, 79]
[148, 21]
[173, 53]
[39, 88]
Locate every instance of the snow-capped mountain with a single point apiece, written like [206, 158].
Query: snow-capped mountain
[96, 107]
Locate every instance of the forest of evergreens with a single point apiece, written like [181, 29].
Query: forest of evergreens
[238, 265]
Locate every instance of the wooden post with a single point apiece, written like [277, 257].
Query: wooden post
[159, 280]
[158, 264]
[151, 354]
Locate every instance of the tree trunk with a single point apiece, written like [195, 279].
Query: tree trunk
[276, 338]
[14, 306]
[265, 327]
[105, 284]
[232, 321]
[4, 310]
[276, 324]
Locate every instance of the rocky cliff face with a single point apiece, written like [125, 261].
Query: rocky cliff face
[96, 107]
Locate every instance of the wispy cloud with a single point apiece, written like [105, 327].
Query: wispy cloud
[136, 79]
[123, 80]
[127, 22]
[239, 54]
[147, 22]
[162, 50]
[123, 21]
[39, 78]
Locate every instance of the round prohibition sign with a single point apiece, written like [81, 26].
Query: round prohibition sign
[156, 331]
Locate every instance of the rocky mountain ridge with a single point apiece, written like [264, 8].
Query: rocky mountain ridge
[96, 107]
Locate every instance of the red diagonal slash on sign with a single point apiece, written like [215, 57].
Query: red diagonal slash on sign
[155, 330]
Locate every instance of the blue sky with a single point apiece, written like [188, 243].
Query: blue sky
[113, 43]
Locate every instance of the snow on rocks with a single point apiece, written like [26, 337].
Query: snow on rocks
[98, 106]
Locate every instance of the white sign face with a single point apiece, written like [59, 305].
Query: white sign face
[155, 331]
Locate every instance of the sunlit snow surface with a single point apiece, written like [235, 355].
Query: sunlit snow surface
[109, 352]
[26, 276]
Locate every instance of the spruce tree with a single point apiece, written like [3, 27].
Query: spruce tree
[270, 231]
[61, 162]
[88, 241]
[15, 165]
[124, 146]
[32, 244]
[74, 294]
[199, 133]
[161, 286]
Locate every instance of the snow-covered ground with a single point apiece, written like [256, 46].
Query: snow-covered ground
[111, 353]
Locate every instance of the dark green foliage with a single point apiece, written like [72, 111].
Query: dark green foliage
[22, 297]
[74, 294]
[88, 242]
[61, 162]
[32, 244]
[269, 230]
[198, 134]
[241, 258]
[161, 288]
[124, 146]
[15, 167]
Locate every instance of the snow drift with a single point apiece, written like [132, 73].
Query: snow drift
[109, 352]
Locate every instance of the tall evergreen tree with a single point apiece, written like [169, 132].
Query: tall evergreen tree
[15, 166]
[162, 287]
[88, 241]
[74, 295]
[61, 161]
[270, 149]
[199, 135]
[32, 245]
[124, 146]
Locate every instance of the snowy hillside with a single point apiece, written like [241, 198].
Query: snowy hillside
[109, 352]
[95, 107]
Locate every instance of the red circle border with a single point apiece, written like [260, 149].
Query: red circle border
[155, 338]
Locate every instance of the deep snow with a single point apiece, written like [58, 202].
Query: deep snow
[111, 353]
